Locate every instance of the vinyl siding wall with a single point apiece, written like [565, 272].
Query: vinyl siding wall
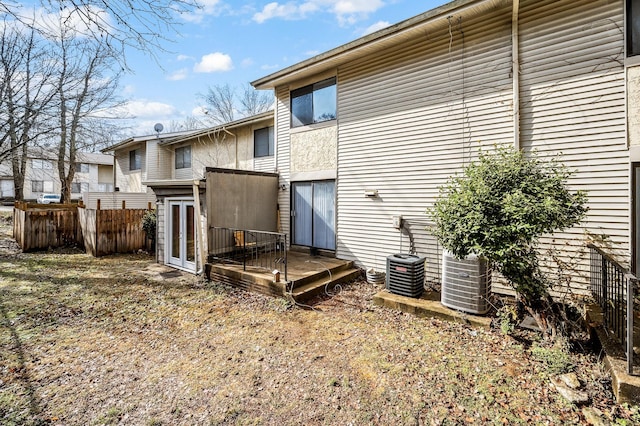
[130, 180]
[412, 116]
[409, 118]
[573, 103]
[282, 144]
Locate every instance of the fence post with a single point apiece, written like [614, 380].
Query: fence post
[244, 250]
[98, 204]
[605, 283]
[630, 297]
[124, 204]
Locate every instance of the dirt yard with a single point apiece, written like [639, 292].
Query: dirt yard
[118, 340]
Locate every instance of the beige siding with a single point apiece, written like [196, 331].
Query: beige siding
[159, 161]
[113, 200]
[282, 145]
[410, 117]
[130, 180]
[573, 103]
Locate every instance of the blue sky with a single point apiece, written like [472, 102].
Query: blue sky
[232, 42]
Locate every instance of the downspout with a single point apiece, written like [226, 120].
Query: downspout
[515, 71]
[198, 220]
[235, 138]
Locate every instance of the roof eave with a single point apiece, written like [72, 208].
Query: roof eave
[341, 53]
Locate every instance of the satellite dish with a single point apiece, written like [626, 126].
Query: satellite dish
[158, 127]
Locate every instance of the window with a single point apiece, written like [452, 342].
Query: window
[135, 160]
[41, 164]
[105, 187]
[37, 186]
[633, 27]
[314, 103]
[183, 157]
[263, 142]
[82, 168]
[79, 187]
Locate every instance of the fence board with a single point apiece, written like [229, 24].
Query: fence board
[100, 232]
[37, 227]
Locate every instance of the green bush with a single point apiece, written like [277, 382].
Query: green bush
[149, 221]
[498, 208]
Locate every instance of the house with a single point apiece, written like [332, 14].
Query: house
[367, 132]
[93, 172]
[172, 166]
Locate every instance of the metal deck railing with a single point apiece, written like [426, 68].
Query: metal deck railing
[613, 287]
[259, 249]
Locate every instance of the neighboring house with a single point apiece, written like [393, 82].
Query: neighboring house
[93, 172]
[370, 130]
[172, 166]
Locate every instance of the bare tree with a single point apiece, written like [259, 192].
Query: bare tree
[25, 96]
[223, 105]
[254, 102]
[140, 24]
[87, 80]
[189, 123]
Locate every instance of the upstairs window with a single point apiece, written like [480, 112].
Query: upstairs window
[41, 164]
[633, 27]
[183, 157]
[135, 159]
[263, 142]
[79, 187]
[314, 103]
[82, 168]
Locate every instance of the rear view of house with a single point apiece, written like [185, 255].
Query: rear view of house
[367, 132]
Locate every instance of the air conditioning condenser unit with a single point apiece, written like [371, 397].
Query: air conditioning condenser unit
[405, 275]
[466, 283]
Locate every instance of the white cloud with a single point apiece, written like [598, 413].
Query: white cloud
[375, 27]
[149, 109]
[247, 62]
[181, 58]
[73, 21]
[180, 74]
[346, 11]
[214, 62]
[207, 8]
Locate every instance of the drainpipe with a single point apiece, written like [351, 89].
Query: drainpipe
[515, 54]
[198, 220]
[235, 138]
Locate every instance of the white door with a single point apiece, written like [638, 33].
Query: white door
[181, 241]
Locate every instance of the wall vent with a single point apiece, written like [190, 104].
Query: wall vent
[405, 275]
[466, 283]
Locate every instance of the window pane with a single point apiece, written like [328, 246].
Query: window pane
[191, 240]
[263, 142]
[175, 231]
[183, 157]
[301, 107]
[633, 24]
[324, 104]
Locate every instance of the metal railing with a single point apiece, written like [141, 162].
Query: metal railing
[613, 287]
[258, 249]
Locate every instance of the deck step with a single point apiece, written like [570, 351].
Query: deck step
[322, 275]
[319, 285]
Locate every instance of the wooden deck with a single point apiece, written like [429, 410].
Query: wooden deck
[307, 276]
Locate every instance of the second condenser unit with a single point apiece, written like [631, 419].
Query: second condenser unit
[466, 283]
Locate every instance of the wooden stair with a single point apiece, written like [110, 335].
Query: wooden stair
[308, 287]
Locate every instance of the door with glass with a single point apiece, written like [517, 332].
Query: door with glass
[314, 214]
[181, 245]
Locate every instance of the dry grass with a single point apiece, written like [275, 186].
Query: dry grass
[107, 341]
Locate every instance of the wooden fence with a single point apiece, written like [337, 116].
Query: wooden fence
[100, 232]
[39, 227]
[112, 231]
